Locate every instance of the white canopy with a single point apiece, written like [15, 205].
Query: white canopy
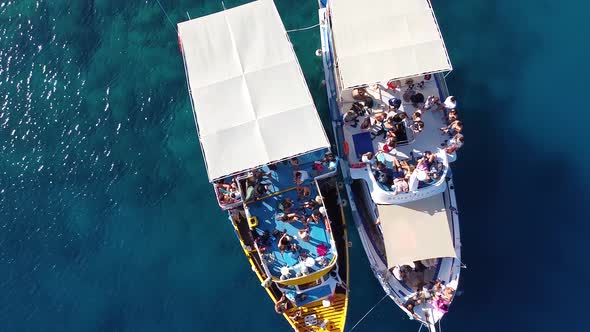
[249, 95]
[415, 231]
[379, 40]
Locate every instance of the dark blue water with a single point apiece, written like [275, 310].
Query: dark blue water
[107, 222]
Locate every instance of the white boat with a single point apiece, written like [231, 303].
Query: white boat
[382, 59]
[264, 148]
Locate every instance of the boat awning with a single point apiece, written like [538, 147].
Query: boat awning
[415, 231]
[249, 95]
[379, 40]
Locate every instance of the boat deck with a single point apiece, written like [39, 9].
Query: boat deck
[430, 139]
[266, 210]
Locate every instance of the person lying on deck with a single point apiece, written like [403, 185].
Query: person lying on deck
[452, 116]
[289, 217]
[316, 216]
[360, 94]
[284, 242]
[303, 191]
[285, 205]
[300, 176]
[412, 302]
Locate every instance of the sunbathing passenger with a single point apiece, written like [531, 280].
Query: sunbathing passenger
[412, 302]
[294, 162]
[448, 294]
[360, 94]
[284, 242]
[281, 305]
[300, 176]
[289, 217]
[285, 205]
[400, 186]
[454, 128]
[316, 216]
[433, 101]
[452, 116]
[303, 192]
[455, 143]
[351, 118]
[304, 234]
[310, 205]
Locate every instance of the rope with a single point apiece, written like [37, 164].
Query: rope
[421, 325]
[368, 312]
[168, 17]
[306, 28]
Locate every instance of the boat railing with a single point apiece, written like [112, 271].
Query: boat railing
[382, 196]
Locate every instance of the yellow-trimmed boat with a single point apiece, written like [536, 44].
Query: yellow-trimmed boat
[267, 156]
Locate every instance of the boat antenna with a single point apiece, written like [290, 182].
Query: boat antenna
[168, 17]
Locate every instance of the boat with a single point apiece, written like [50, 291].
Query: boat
[384, 63]
[269, 161]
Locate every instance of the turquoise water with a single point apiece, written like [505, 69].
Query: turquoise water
[108, 222]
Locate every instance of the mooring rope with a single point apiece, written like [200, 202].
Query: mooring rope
[306, 28]
[368, 312]
[168, 17]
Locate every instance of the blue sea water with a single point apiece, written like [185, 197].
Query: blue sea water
[107, 222]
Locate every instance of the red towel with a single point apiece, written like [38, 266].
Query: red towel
[322, 249]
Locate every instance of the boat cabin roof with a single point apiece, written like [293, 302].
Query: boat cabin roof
[399, 39]
[250, 99]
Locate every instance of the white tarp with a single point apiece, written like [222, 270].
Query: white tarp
[249, 95]
[379, 40]
[415, 231]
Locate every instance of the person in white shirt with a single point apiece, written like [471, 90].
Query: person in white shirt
[450, 103]
[368, 158]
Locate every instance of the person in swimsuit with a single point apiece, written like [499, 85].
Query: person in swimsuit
[281, 305]
[452, 116]
[284, 242]
[303, 192]
[454, 128]
[285, 205]
[304, 234]
[289, 217]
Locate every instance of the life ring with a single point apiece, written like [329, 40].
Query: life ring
[346, 148]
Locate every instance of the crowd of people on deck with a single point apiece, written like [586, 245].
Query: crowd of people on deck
[391, 123]
[435, 293]
[227, 193]
[303, 209]
[258, 182]
[428, 170]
